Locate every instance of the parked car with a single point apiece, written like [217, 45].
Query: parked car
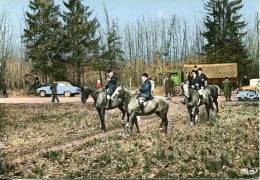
[251, 92]
[63, 88]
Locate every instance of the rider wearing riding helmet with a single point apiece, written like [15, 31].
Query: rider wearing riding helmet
[110, 86]
[202, 81]
[144, 91]
[193, 81]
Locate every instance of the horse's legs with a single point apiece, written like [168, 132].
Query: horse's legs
[164, 121]
[193, 114]
[123, 116]
[208, 110]
[216, 103]
[132, 119]
[137, 126]
[101, 113]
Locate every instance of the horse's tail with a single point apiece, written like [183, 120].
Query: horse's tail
[217, 88]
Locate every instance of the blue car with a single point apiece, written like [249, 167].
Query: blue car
[63, 88]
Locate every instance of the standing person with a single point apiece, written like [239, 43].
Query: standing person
[227, 87]
[167, 86]
[144, 91]
[152, 84]
[54, 92]
[98, 84]
[4, 88]
[245, 81]
[110, 86]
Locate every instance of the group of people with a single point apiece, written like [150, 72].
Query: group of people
[198, 80]
[144, 93]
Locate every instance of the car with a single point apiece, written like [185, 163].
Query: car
[63, 88]
[251, 92]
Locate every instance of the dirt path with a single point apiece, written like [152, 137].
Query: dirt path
[46, 100]
[39, 100]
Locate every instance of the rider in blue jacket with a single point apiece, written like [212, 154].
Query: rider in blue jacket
[144, 91]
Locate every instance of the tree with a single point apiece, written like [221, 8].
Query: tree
[224, 32]
[5, 45]
[113, 52]
[42, 38]
[81, 43]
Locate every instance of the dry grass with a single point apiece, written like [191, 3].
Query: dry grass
[221, 148]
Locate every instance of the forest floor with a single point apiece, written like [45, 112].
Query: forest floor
[47, 140]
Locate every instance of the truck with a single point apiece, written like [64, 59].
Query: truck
[216, 73]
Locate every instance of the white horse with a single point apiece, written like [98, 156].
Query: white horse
[157, 105]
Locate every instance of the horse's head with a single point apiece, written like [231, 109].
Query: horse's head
[186, 89]
[119, 92]
[85, 92]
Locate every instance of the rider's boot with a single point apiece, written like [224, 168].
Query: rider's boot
[142, 107]
[108, 103]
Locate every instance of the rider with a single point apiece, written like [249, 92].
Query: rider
[195, 69]
[193, 81]
[144, 91]
[110, 86]
[202, 81]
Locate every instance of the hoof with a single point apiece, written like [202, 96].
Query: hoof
[103, 130]
[138, 131]
[192, 124]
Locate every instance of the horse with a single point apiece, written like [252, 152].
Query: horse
[99, 97]
[157, 105]
[193, 100]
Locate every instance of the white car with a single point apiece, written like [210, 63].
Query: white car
[63, 88]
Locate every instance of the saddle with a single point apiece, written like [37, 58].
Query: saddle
[144, 104]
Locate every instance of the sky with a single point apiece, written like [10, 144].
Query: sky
[127, 11]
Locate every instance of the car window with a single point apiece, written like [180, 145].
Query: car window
[61, 84]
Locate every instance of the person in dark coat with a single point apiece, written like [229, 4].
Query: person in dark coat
[193, 80]
[54, 92]
[195, 69]
[227, 87]
[202, 79]
[110, 86]
[4, 89]
[145, 91]
[245, 81]
[167, 86]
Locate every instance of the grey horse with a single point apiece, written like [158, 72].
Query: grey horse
[157, 105]
[193, 100]
[99, 97]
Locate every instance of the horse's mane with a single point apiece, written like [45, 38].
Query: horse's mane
[128, 91]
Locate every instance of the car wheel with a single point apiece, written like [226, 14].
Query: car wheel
[42, 93]
[67, 94]
[177, 90]
[251, 95]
